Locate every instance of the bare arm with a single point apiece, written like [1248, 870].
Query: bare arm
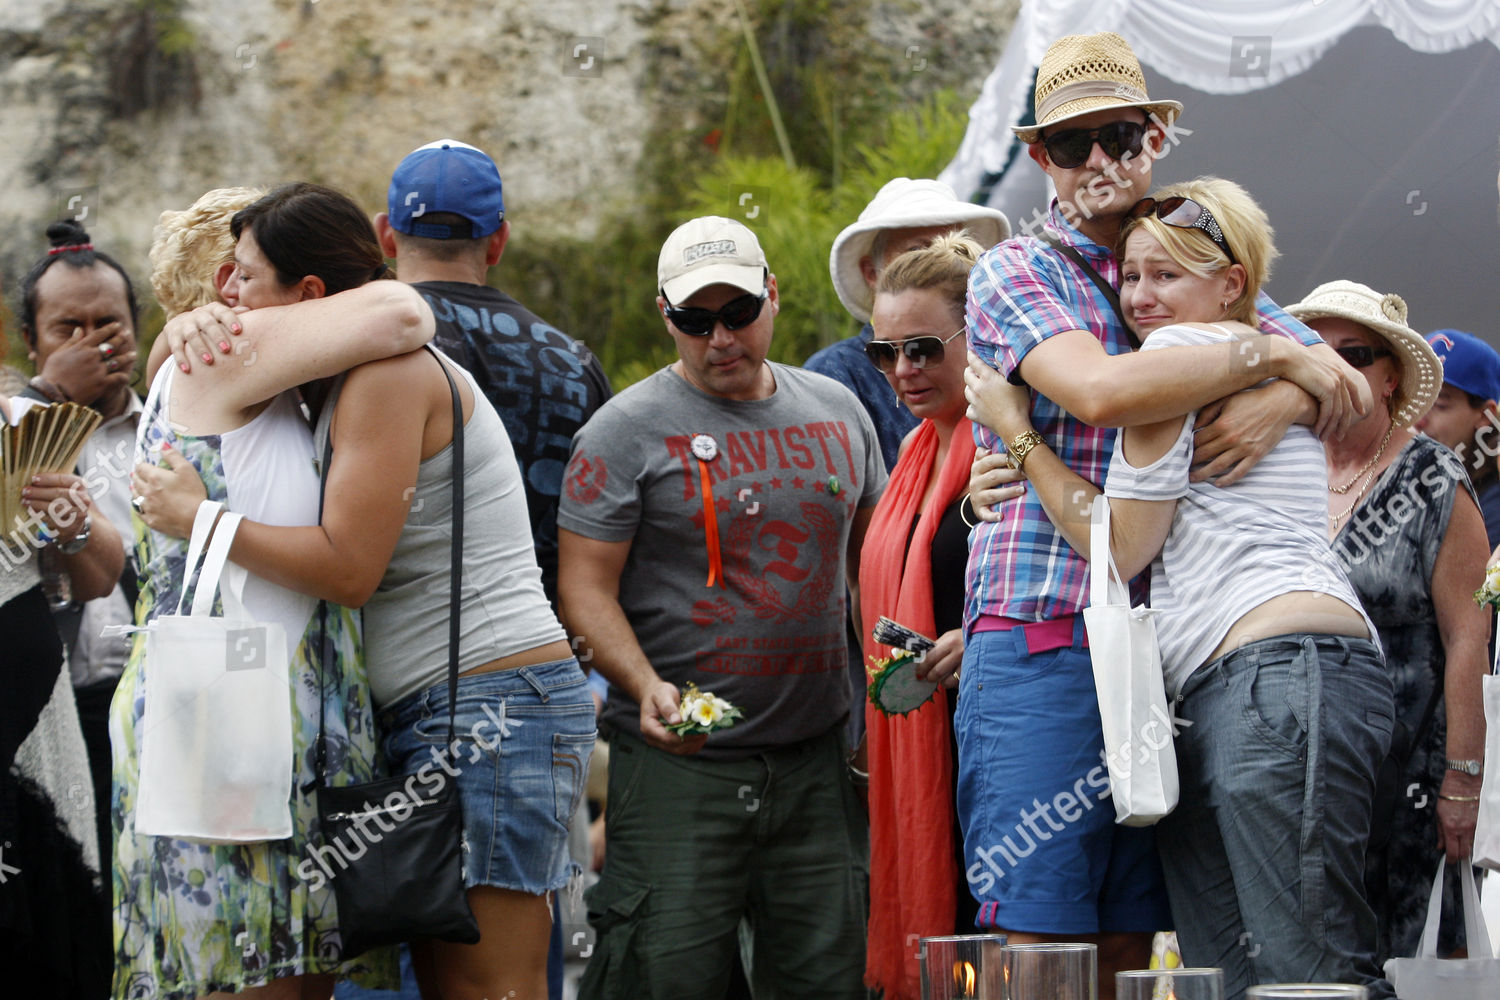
[588, 592]
[1138, 528]
[1465, 630]
[284, 346]
[1126, 390]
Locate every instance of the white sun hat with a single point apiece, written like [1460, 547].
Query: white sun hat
[904, 203]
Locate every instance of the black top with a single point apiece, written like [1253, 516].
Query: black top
[543, 383]
[950, 557]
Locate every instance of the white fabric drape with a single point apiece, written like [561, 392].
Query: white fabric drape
[1216, 46]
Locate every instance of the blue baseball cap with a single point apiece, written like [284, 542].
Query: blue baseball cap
[1468, 362]
[446, 176]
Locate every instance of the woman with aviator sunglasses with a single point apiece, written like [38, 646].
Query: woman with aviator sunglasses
[1271, 662]
[1406, 526]
[912, 570]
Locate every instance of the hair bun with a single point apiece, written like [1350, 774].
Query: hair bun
[66, 233]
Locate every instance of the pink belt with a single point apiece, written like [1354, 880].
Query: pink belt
[1040, 636]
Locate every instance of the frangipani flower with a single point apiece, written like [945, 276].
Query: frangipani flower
[703, 712]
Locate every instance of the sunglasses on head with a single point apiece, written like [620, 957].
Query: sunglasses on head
[736, 314]
[919, 351]
[1361, 355]
[1071, 148]
[1184, 213]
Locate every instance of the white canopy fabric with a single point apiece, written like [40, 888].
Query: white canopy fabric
[1367, 129]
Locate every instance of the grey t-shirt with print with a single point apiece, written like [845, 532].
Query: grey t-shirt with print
[787, 475]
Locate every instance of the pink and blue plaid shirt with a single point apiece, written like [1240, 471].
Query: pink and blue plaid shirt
[1020, 293]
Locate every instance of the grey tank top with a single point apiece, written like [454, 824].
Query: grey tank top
[505, 610]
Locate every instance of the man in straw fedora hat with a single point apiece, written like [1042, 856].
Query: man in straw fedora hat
[1045, 312]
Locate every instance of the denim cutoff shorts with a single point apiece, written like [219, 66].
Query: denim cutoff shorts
[522, 740]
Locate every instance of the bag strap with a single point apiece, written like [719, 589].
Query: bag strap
[1108, 290]
[455, 573]
[203, 525]
[1102, 568]
[455, 569]
[213, 569]
[1474, 926]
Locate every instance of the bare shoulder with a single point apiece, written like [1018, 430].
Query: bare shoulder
[407, 375]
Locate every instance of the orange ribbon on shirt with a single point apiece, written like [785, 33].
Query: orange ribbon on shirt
[710, 528]
[705, 449]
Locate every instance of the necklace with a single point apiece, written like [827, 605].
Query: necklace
[1341, 490]
[1367, 473]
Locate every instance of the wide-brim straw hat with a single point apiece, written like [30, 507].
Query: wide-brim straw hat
[1384, 315]
[904, 203]
[1084, 73]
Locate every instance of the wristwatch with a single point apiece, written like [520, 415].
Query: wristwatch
[81, 540]
[1473, 768]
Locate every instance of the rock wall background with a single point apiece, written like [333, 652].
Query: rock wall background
[114, 111]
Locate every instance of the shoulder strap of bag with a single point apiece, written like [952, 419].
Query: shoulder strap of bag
[214, 564]
[455, 572]
[1102, 569]
[203, 525]
[1108, 290]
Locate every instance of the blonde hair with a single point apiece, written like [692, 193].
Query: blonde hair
[189, 246]
[1244, 226]
[942, 265]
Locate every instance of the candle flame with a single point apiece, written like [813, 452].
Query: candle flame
[964, 977]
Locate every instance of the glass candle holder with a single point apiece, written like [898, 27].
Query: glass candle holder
[1307, 991]
[1170, 984]
[1051, 972]
[963, 966]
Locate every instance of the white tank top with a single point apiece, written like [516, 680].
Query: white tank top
[270, 476]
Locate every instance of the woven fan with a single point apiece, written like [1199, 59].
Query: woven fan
[45, 439]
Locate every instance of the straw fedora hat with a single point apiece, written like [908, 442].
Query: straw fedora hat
[1083, 73]
[1384, 315]
[904, 203]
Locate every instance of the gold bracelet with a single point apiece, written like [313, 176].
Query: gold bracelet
[1021, 447]
[1458, 798]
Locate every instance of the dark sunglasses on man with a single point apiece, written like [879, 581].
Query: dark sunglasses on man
[1071, 147]
[736, 314]
[919, 351]
[1361, 355]
[1183, 213]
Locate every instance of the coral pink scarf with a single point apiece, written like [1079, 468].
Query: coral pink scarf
[913, 871]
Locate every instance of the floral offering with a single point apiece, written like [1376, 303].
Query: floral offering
[703, 712]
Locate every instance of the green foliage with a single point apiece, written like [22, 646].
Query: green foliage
[801, 215]
[601, 289]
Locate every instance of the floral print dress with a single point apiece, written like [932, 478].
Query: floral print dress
[190, 917]
[1388, 548]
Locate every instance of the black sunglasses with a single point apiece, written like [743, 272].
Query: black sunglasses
[920, 351]
[735, 314]
[1184, 213]
[1071, 148]
[1361, 356]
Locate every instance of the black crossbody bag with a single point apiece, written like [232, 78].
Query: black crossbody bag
[408, 882]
